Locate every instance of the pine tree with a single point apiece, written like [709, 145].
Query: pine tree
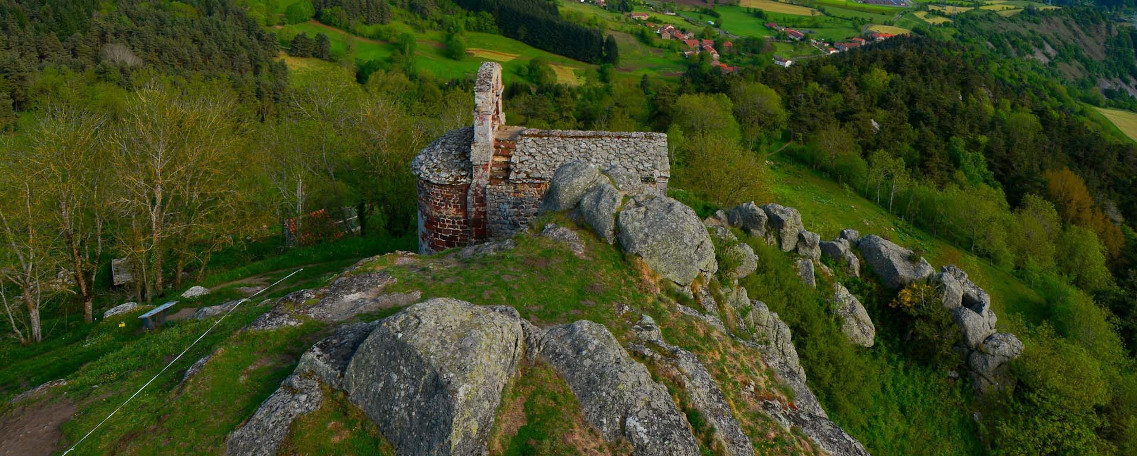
[323, 47]
[301, 46]
[611, 51]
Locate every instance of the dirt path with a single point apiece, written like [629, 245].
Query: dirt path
[33, 429]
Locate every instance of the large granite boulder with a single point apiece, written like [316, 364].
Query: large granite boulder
[806, 271]
[855, 321]
[772, 333]
[896, 265]
[750, 218]
[853, 237]
[808, 245]
[840, 251]
[617, 394]
[569, 184]
[431, 376]
[958, 290]
[988, 362]
[120, 309]
[785, 222]
[975, 327]
[669, 237]
[195, 291]
[598, 209]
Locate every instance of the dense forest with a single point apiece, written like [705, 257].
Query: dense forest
[1085, 46]
[538, 24]
[173, 132]
[206, 37]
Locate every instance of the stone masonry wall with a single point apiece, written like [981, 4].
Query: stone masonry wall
[642, 156]
[442, 216]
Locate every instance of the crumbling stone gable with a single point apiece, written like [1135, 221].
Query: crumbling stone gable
[487, 181]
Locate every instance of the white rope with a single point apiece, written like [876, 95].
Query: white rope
[202, 336]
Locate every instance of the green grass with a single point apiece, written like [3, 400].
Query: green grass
[193, 419]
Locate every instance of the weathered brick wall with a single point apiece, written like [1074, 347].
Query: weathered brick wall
[442, 216]
[640, 157]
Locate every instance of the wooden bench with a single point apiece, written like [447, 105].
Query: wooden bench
[156, 316]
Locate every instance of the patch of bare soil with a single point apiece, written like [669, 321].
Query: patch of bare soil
[33, 429]
[182, 314]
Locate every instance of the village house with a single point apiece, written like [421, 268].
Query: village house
[640, 16]
[784, 63]
[726, 47]
[794, 34]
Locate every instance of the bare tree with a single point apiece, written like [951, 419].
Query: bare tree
[67, 158]
[25, 255]
[174, 153]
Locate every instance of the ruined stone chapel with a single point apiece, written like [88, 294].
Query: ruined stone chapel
[486, 181]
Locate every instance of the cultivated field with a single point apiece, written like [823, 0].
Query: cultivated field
[779, 7]
[950, 9]
[889, 29]
[1126, 121]
[496, 56]
[934, 20]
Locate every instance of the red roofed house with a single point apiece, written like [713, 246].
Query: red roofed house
[693, 44]
[794, 34]
[726, 47]
[858, 40]
[726, 68]
[640, 16]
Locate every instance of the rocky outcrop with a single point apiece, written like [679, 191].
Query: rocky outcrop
[431, 377]
[565, 236]
[785, 222]
[213, 311]
[985, 350]
[895, 265]
[120, 309]
[569, 184]
[262, 434]
[808, 245]
[773, 336]
[348, 296]
[669, 237]
[855, 321]
[298, 395]
[617, 394]
[750, 218]
[737, 256]
[850, 235]
[598, 209]
[805, 270]
[701, 387]
[840, 251]
[195, 292]
[988, 362]
[486, 249]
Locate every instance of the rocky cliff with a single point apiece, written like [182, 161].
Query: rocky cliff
[678, 361]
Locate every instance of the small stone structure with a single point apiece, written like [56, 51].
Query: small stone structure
[486, 181]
